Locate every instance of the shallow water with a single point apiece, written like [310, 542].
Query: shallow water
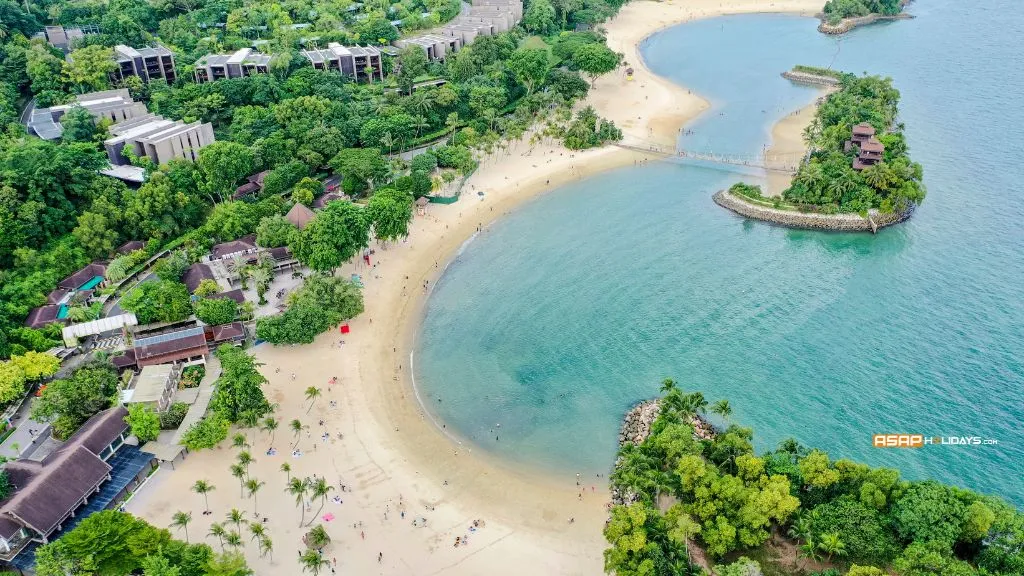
[553, 325]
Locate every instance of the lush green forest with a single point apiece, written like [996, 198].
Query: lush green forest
[836, 10]
[842, 516]
[57, 213]
[828, 182]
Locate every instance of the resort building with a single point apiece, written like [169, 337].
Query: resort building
[300, 216]
[188, 345]
[153, 387]
[148, 63]
[253, 185]
[159, 139]
[113, 105]
[195, 274]
[62, 38]
[242, 63]
[243, 246]
[869, 149]
[436, 47]
[92, 471]
[326, 199]
[360, 63]
[233, 333]
[130, 246]
[514, 7]
[80, 285]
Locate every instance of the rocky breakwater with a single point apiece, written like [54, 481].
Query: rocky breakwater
[809, 220]
[636, 427]
[812, 79]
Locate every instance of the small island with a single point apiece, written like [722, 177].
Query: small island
[857, 174]
[841, 16]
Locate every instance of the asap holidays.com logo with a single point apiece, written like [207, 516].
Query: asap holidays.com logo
[920, 441]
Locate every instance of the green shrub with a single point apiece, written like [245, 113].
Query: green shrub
[171, 419]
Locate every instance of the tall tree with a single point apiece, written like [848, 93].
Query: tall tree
[337, 233]
[223, 164]
[89, 68]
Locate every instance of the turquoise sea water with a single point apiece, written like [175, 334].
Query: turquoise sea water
[563, 314]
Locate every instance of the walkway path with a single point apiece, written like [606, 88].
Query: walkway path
[198, 410]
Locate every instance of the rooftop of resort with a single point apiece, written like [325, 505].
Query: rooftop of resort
[300, 216]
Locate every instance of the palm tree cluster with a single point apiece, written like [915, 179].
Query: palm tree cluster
[812, 547]
[313, 488]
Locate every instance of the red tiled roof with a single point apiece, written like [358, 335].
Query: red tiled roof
[56, 296]
[235, 295]
[48, 491]
[226, 332]
[241, 245]
[245, 190]
[195, 274]
[280, 253]
[327, 199]
[864, 129]
[42, 316]
[299, 215]
[125, 360]
[84, 275]
[130, 246]
[872, 145]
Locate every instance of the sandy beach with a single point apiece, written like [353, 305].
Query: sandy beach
[788, 140]
[396, 464]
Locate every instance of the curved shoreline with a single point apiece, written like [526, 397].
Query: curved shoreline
[390, 447]
[808, 220]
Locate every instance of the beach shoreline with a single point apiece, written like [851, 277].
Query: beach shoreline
[382, 444]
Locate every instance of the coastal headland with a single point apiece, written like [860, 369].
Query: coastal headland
[396, 462]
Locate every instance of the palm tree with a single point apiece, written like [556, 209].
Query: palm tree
[313, 562]
[261, 278]
[78, 314]
[697, 402]
[387, 140]
[831, 544]
[287, 469]
[253, 486]
[235, 517]
[238, 471]
[238, 266]
[239, 441]
[296, 427]
[317, 538]
[667, 385]
[685, 528]
[722, 408]
[267, 547]
[217, 529]
[257, 530]
[244, 458]
[181, 520]
[809, 550]
[800, 529]
[270, 425]
[203, 487]
[312, 393]
[298, 489]
[234, 540]
[452, 122]
[420, 122]
[319, 489]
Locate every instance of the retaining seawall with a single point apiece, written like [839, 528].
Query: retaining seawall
[809, 220]
[847, 24]
[813, 79]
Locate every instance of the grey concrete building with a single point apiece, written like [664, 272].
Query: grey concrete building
[113, 105]
[244, 62]
[437, 47]
[358, 62]
[159, 139]
[147, 63]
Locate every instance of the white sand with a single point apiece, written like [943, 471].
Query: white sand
[788, 140]
[393, 456]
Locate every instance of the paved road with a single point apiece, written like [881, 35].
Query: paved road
[23, 438]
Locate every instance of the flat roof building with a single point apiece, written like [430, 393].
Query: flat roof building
[358, 62]
[148, 63]
[242, 63]
[159, 139]
[154, 387]
[436, 47]
[113, 105]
